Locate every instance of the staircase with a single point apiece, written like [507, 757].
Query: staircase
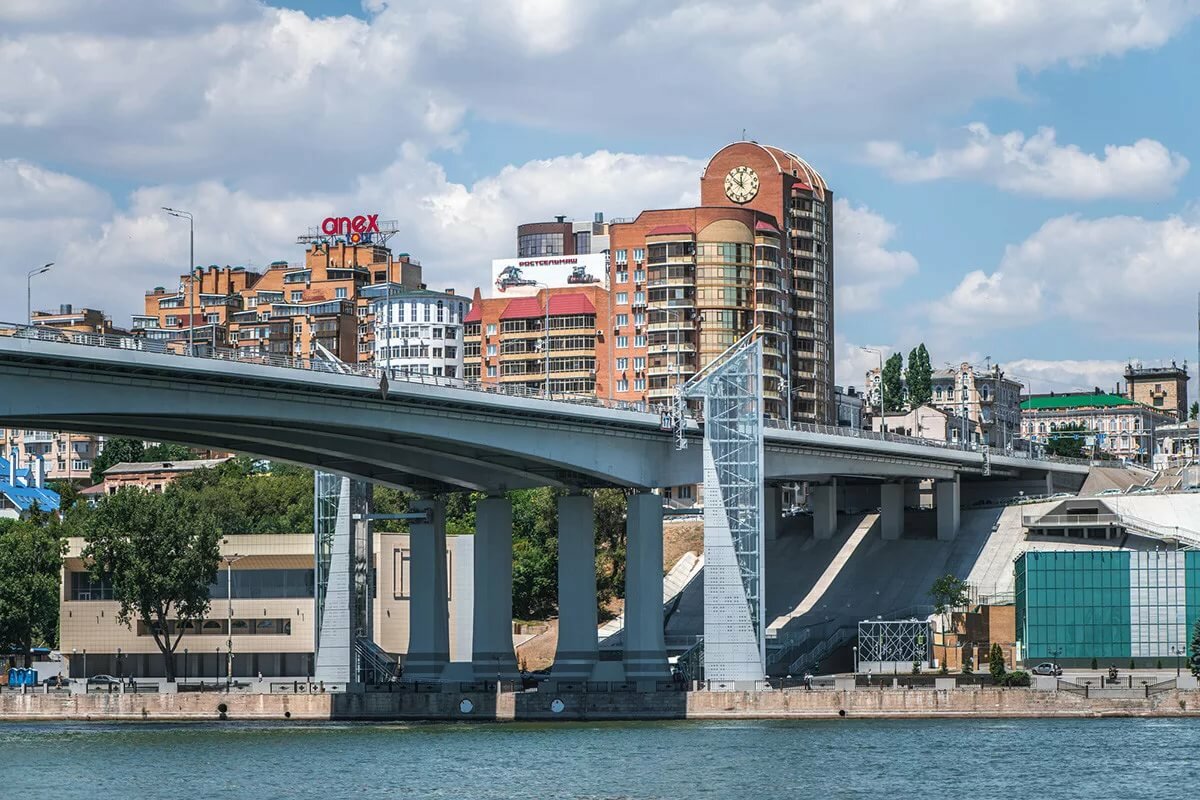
[1185, 537]
[375, 666]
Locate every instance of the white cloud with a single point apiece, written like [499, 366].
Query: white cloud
[865, 267]
[108, 259]
[156, 91]
[1039, 165]
[1122, 276]
[1067, 375]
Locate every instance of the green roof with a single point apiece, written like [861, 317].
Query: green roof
[1082, 400]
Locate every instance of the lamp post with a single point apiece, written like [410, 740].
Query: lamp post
[185, 665]
[120, 675]
[191, 271]
[1177, 651]
[882, 403]
[855, 649]
[29, 289]
[229, 559]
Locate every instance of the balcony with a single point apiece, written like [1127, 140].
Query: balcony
[37, 437]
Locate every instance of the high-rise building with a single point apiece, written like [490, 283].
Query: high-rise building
[689, 282]
[1162, 388]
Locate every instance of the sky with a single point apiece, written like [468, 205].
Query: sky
[1015, 180]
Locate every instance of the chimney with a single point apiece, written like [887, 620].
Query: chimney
[12, 467]
[38, 468]
[449, 292]
[64, 308]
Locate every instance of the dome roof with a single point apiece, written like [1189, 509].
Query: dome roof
[785, 161]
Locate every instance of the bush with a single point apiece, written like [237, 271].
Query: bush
[1016, 678]
[996, 662]
[1131, 664]
[1159, 664]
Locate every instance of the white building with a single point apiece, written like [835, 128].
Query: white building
[418, 331]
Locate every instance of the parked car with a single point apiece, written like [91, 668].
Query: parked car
[104, 680]
[1047, 668]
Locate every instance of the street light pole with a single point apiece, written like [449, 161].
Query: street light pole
[29, 289]
[229, 620]
[191, 272]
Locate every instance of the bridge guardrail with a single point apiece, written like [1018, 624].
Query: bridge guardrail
[203, 350]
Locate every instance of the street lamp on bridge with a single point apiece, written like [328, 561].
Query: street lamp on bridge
[29, 289]
[191, 272]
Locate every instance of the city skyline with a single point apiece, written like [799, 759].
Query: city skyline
[988, 209]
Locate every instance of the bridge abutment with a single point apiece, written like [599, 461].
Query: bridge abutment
[645, 648]
[493, 656]
[578, 648]
[429, 618]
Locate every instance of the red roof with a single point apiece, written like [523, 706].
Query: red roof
[522, 308]
[765, 226]
[666, 230]
[475, 314]
[574, 303]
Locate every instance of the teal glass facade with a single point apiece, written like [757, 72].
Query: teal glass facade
[1112, 606]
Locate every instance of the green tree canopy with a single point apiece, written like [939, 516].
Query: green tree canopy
[1068, 441]
[246, 500]
[1194, 411]
[30, 567]
[893, 385]
[996, 662]
[160, 553]
[949, 592]
[115, 451]
[919, 376]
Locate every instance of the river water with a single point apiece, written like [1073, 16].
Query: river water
[1026, 759]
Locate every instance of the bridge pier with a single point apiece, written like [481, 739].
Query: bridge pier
[891, 511]
[645, 648]
[948, 508]
[578, 648]
[824, 508]
[772, 512]
[429, 617]
[493, 657]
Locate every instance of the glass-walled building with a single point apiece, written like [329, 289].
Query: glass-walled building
[1112, 606]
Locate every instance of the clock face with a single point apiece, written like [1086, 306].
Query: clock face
[741, 184]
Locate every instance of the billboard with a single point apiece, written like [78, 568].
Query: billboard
[520, 277]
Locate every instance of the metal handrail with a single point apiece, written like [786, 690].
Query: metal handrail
[1071, 519]
[317, 364]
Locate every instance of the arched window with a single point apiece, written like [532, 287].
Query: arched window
[1053, 427]
[1041, 427]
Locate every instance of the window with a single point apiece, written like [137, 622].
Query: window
[171, 321]
[491, 373]
[639, 340]
[622, 320]
[622, 364]
[340, 293]
[621, 257]
[639, 384]
[441, 311]
[622, 277]
[84, 588]
[491, 351]
[622, 298]
[622, 341]
[639, 276]
[623, 385]
[639, 298]
[639, 363]
[264, 583]
[491, 329]
[426, 307]
[639, 255]
[297, 296]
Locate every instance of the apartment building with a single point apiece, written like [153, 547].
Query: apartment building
[418, 331]
[986, 403]
[75, 320]
[505, 342]
[689, 282]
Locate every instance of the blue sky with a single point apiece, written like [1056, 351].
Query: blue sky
[1060, 254]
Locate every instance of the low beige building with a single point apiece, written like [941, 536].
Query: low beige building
[273, 612]
[923, 422]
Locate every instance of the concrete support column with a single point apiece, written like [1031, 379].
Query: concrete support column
[577, 643]
[428, 612]
[493, 656]
[891, 511]
[645, 648]
[772, 511]
[948, 509]
[824, 507]
[1049, 483]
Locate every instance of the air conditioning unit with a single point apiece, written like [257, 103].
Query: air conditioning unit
[601, 333]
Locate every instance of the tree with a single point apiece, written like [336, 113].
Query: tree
[245, 500]
[160, 554]
[30, 569]
[996, 662]
[948, 592]
[1067, 441]
[115, 451]
[919, 376]
[611, 510]
[167, 452]
[893, 386]
[1196, 649]
[1194, 411]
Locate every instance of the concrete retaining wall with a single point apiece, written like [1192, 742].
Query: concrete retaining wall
[797, 704]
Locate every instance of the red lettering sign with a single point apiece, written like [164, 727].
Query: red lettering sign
[342, 226]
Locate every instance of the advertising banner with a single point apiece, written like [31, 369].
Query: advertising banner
[521, 277]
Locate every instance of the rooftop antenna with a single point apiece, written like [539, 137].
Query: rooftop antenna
[743, 134]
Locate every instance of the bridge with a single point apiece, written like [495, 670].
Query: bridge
[437, 435]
